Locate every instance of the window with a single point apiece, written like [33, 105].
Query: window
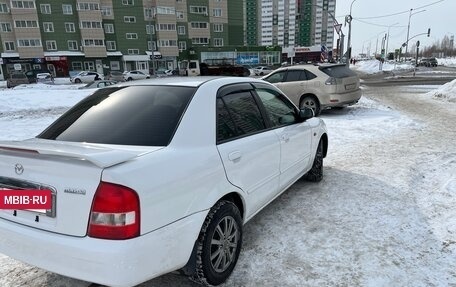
[148, 13]
[166, 10]
[89, 66]
[6, 27]
[29, 43]
[218, 27]
[48, 27]
[93, 42]
[198, 10]
[181, 30]
[69, 27]
[179, 15]
[276, 77]
[160, 109]
[67, 9]
[115, 65]
[26, 24]
[152, 47]
[77, 66]
[129, 19]
[111, 45]
[218, 42]
[280, 111]
[200, 40]
[150, 28]
[182, 45]
[296, 75]
[45, 8]
[167, 43]
[133, 51]
[109, 28]
[51, 45]
[238, 115]
[90, 25]
[9, 46]
[198, 25]
[23, 4]
[72, 45]
[217, 12]
[88, 6]
[128, 2]
[3, 8]
[131, 36]
[106, 11]
[166, 27]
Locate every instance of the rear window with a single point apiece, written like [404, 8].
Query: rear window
[136, 115]
[18, 76]
[338, 71]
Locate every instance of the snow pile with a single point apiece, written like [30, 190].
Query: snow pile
[449, 62]
[372, 66]
[446, 92]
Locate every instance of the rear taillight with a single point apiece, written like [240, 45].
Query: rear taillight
[115, 213]
[331, 81]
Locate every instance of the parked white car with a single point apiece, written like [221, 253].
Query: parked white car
[262, 70]
[135, 75]
[154, 176]
[86, 77]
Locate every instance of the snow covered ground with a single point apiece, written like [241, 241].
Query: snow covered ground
[379, 218]
[449, 62]
[372, 66]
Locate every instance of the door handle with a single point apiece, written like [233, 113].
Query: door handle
[234, 156]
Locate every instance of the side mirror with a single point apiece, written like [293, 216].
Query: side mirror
[306, 113]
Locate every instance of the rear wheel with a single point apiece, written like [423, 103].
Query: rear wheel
[78, 81]
[310, 102]
[315, 174]
[130, 79]
[219, 244]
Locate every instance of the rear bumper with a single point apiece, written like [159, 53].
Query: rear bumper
[107, 262]
[345, 99]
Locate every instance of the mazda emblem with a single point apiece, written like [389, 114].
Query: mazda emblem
[18, 168]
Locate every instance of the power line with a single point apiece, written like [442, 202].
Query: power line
[403, 12]
[374, 24]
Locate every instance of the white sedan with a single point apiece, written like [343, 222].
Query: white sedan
[86, 77]
[262, 70]
[149, 177]
[135, 75]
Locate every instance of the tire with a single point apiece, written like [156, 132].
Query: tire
[315, 174]
[223, 221]
[310, 102]
[130, 79]
[78, 81]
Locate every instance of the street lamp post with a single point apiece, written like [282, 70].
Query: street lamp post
[387, 39]
[349, 20]
[376, 45]
[408, 28]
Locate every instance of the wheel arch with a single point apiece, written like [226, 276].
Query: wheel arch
[237, 199]
[309, 95]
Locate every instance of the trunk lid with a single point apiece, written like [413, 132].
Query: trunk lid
[71, 170]
[346, 79]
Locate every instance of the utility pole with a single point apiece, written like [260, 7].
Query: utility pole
[349, 19]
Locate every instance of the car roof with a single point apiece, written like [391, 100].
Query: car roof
[189, 81]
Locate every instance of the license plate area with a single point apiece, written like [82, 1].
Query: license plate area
[7, 183]
[350, 87]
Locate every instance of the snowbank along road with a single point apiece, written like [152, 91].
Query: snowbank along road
[382, 216]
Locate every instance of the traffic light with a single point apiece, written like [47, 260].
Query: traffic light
[429, 32]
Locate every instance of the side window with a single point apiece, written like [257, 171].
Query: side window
[279, 110]
[296, 75]
[310, 75]
[276, 77]
[244, 113]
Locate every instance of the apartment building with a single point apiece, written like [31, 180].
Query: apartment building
[289, 23]
[101, 35]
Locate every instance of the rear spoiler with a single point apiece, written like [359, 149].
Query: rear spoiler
[100, 156]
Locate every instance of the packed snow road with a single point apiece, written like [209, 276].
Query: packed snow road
[382, 216]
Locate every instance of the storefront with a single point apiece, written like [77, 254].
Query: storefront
[12, 63]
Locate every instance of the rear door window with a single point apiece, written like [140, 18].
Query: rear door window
[296, 75]
[136, 115]
[238, 115]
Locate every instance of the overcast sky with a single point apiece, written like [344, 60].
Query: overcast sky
[440, 17]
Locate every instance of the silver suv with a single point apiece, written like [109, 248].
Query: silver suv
[317, 87]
